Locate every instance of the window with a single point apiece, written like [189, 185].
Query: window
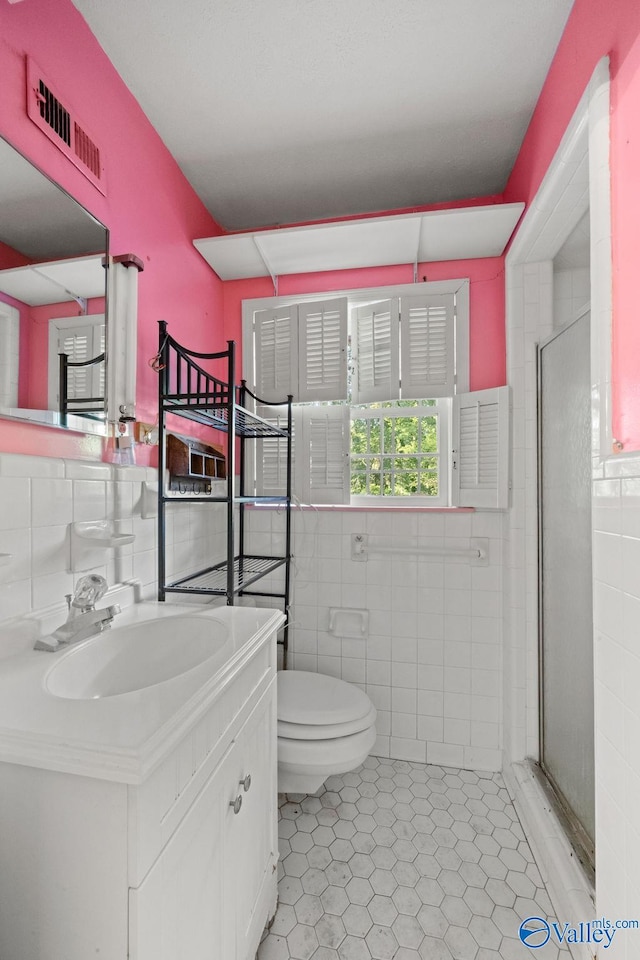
[380, 410]
[396, 451]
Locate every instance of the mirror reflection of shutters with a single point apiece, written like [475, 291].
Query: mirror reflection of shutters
[375, 334]
[80, 344]
[101, 367]
[427, 346]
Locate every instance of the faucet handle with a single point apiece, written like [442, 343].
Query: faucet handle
[88, 591]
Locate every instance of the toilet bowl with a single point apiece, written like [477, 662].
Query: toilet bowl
[325, 727]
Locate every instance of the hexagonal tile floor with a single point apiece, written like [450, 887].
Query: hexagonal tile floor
[402, 861]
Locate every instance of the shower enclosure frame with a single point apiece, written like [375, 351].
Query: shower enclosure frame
[579, 838]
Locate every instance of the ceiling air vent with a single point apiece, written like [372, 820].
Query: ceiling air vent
[62, 126]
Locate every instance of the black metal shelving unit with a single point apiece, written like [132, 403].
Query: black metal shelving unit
[187, 390]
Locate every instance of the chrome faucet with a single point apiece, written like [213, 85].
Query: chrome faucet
[83, 620]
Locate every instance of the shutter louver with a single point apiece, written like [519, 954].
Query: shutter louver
[276, 352]
[427, 360]
[480, 459]
[271, 458]
[326, 441]
[322, 373]
[376, 334]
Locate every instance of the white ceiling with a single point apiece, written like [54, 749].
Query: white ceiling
[282, 111]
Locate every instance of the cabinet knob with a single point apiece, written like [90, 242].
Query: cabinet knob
[246, 783]
[236, 804]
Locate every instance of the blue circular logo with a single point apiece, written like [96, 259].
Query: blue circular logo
[534, 932]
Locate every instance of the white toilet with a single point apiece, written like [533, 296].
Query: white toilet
[325, 726]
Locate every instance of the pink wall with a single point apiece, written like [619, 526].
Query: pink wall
[150, 209]
[597, 28]
[10, 258]
[486, 307]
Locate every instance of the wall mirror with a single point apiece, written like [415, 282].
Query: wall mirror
[53, 277]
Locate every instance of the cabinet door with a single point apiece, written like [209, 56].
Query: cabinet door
[183, 910]
[252, 832]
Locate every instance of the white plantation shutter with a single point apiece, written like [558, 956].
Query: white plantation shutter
[322, 368]
[324, 454]
[271, 457]
[276, 353]
[320, 456]
[376, 334]
[480, 449]
[427, 338]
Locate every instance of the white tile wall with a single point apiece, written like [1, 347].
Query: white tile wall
[431, 661]
[616, 556]
[571, 292]
[39, 499]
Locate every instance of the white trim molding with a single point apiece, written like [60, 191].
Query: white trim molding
[577, 180]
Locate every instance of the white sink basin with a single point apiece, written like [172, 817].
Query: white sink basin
[129, 658]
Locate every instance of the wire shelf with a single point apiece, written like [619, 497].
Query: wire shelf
[246, 569]
[211, 414]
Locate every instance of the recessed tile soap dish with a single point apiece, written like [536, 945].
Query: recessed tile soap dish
[348, 622]
[5, 558]
[90, 537]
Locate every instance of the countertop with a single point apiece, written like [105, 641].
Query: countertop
[120, 737]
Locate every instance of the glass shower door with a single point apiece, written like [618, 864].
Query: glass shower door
[566, 609]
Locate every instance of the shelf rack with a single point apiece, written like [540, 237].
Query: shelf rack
[189, 391]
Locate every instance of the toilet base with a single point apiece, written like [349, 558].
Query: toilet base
[303, 766]
[291, 782]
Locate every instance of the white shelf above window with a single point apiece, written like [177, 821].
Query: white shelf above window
[455, 234]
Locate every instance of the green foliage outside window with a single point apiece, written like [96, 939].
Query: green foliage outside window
[395, 455]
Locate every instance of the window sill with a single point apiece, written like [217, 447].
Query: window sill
[362, 508]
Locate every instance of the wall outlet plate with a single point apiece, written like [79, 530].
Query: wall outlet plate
[146, 433]
[359, 546]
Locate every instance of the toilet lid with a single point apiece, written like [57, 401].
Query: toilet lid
[326, 731]
[314, 698]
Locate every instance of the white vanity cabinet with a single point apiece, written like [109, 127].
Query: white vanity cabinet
[211, 890]
[180, 865]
